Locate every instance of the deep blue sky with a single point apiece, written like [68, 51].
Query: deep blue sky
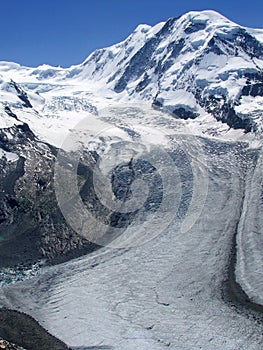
[65, 32]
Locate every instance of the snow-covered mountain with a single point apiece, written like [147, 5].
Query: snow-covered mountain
[200, 64]
[171, 116]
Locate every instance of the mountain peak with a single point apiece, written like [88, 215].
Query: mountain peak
[205, 20]
[200, 63]
[206, 15]
[143, 28]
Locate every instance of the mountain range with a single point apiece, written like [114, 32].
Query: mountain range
[172, 116]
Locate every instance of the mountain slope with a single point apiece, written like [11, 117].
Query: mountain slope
[197, 65]
[166, 293]
[80, 145]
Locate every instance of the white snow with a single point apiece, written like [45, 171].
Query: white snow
[250, 237]
[93, 81]
[10, 156]
[167, 292]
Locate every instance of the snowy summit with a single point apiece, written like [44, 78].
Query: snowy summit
[137, 174]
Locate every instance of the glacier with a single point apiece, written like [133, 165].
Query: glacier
[186, 94]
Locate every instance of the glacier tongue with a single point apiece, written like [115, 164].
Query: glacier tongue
[165, 293]
[206, 72]
[249, 239]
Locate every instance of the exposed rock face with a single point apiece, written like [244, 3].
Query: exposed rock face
[194, 65]
[19, 331]
[31, 224]
[197, 63]
[9, 346]
[200, 63]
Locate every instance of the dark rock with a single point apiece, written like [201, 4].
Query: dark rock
[145, 58]
[22, 330]
[168, 27]
[248, 43]
[184, 113]
[9, 346]
[224, 111]
[194, 27]
[31, 224]
[254, 85]
[21, 94]
[10, 113]
[143, 83]
[137, 65]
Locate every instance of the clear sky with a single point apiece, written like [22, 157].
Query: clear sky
[65, 32]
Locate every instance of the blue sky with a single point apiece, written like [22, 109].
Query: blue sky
[65, 32]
